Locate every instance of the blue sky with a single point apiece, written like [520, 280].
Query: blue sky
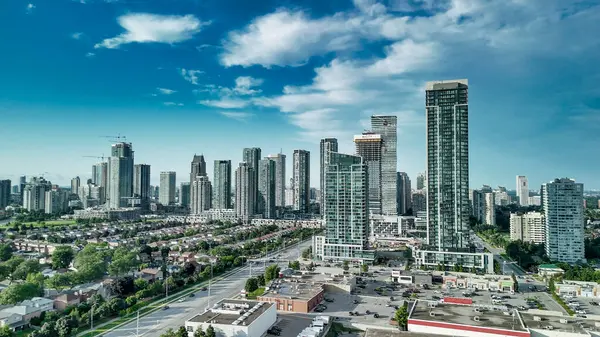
[204, 76]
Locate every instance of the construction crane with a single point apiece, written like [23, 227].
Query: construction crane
[117, 138]
[97, 157]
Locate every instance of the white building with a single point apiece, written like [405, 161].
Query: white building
[501, 198]
[563, 207]
[528, 227]
[201, 195]
[235, 318]
[535, 200]
[490, 209]
[166, 192]
[523, 190]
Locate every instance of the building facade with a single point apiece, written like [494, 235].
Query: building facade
[120, 175]
[185, 194]
[528, 227]
[490, 209]
[266, 188]
[245, 194]
[403, 190]
[56, 201]
[201, 195]
[75, 184]
[100, 176]
[166, 194]
[326, 146]
[222, 184]
[197, 167]
[522, 190]
[301, 180]
[369, 146]
[141, 183]
[279, 160]
[4, 193]
[420, 181]
[252, 156]
[387, 127]
[419, 201]
[563, 208]
[34, 194]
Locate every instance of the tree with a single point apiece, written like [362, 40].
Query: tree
[16, 293]
[14, 262]
[5, 251]
[261, 280]
[122, 286]
[181, 332]
[210, 331]
[251, 284]
[199, 332]
[35, 278]
[140, 284]
[123, 261]
[294, 265]
[62, 257]
[307, 253]
[24, 269]
[346, 265]
[60, 281]
[401, 316]
[551, 286]
[189, 269]
[90, 262]
[515, 282]
[271, 273]
[364, 268]
[5, 331]
[64, 326]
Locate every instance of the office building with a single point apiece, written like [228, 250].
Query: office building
[75, 183]
[490, 209]
[252, 157]
[201, 195]
[420, 181]
[222, 184]
[56, 201]
[120, 175]
[245, 202]
[4, 194]
[22, 182]
[326, 146]
[91, 195]
[198, 167]
[522, 190]
[403, 191]
[369, 146]
[34, 194]
[279, 160]
[563, 208]
[166, 194]
[387, 127]
[141, 183]
[184, 194]
[528, 227]
[346, 210]
[419, 201]
[266, 188]
[301, 180]
[100, 176]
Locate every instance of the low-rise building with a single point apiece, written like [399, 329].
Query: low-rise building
[64, 301]
[549, 270]
[478, 282]
[294, 295]
[13, 321]
[235, 318]
[29, 309]
[578, 288]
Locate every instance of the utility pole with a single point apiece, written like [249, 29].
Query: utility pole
[137, 324]
[92, 318]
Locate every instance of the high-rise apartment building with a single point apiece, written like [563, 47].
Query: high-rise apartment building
[403, 191]
[201, 195]
[522, 190]
[387, 127]
[490, 209]
[222, 184]
[346, 210]
[301, 180]
[4, 193]
[34, 194]
[420, 181]
[448, 165]
[369, 146]
[252, 156]
[141, 183]
[279, 160]
[75, 183]
[56, 201]
[184, 194]
[245, 202]
[166, 194]
[100, 176]
[326, 146]
[528, 227]
[563, 208]
[198, 167]
[120, 175]
[91, 195]
[419, 202]
[266, 188]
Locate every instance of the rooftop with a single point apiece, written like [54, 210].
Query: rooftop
[563, 323]
[548, 266]
[462, 314]
[294, 288]
[232, 312]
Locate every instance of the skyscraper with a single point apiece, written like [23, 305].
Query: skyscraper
[266, 188]
[34, 194]
[301, 180]
[420, 181]
[75, 183]
[448, 165]
[56, 201]
[141, 183]
[252, 156]
[346, 209]
[166, 194]
[222, 184]
[201, 191]
[100, 176]
[120, 175]
[563, 207]
[369, 146]
[4, 194]
[523, 190]
[279, 160]
[185, 194]
[387, 127]
[490, 209]
[245, 202]
[404, 191]
[327, 146]
[198, 167]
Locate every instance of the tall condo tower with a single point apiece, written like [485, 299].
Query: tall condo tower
[166, 192]
[279, 160]
[222, 184]
[141, 183]
[387, 127]
[245, 193]
[327, 146]
[252, 155]
[266, 188]
[404, 193]
[120, 175]
[369, 146]
[201, 195]
[523, 190]
[448, 207]
[198, 167]
[301, 180]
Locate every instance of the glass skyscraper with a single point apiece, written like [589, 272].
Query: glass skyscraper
[387, 127]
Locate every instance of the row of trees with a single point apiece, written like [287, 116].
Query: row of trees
[182, 332]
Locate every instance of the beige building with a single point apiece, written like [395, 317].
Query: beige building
[528, 227]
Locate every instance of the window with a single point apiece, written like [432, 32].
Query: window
[190, 328]
[289, 307]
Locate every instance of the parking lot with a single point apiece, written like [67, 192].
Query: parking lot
[587, 305]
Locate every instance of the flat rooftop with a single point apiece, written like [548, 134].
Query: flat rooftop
[464, 314]
[232, 312]
[294, 288]
[573, 324]
[387, 333]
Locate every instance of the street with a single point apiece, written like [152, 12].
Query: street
[156, 323]
[508, 267]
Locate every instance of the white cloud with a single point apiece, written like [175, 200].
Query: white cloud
[226, 103]
[90, 54]
[190, 75]
[166, 91]
[172, 104]
[30, 8]
[77, 35]
[239, 116]
[154, 28]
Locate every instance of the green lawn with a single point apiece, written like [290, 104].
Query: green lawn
[48, 223]
[23, 333]
[258, 292]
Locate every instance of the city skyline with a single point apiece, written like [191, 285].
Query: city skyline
[226, 86]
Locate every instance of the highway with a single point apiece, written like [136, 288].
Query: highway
[156, 323]
[508, 267]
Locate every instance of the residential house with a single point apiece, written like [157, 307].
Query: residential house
[29, 309]
[66, 300]
[13, 321]
[151, 274]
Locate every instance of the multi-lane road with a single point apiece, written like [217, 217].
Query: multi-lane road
[157, 322]
[508, 267]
